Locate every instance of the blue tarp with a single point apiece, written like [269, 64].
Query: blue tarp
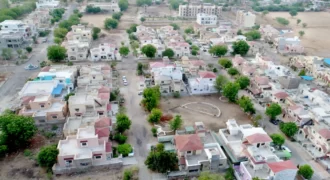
[68, 80]
[327, 61]
[46, 78]
[307, 78]
[57, 90]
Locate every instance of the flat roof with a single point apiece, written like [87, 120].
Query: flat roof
[38, 88]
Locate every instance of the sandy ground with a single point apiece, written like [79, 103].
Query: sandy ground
[228, 110]
[316, 39]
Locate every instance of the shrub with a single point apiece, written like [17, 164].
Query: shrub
[27, 152]
[176, 95]
[121, 139]
[28, 49]
[125, 149]
[54, 127]
[154, 131]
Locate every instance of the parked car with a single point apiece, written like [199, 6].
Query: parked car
[275, 121]
[140, 93]
[124, 78]
[286, 148]
[132, 153]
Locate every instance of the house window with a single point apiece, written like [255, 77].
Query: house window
[77, 109]
[193, 170]
[93, 77]
[210, 79]
[258, 145]
[102, 49]
[98, 157]
[68, 161]
[319, 137]
[162, 81]
[42, 105]
[42, 121]
[83, 144]
[195, 89]
[262, 144]
[54, 117]
[100, 113]
[188, 152]
[84, 164]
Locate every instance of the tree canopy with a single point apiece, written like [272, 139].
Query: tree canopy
[246, 104]
[252, 35]
[176, 123]
[289, 128]
[92, 9]
[278, 139]
[282, 21]
[117, 15]
[60, 33]
[124, 149]
[240, 47]
[225, 63]
[220, 81]
[151, 97]
[110, 23]
[143, 2]
[306, 171]
[218, 50]
[175, 26]
[243, 82]
[230, 91]
[293, 12]
[149, 50]
[232, 71]
[7, 53]
[155, 115]
[168, 52]
[189, 30]
[47, 156]
[123, 5]
[123, 122]
[56, 53]
[273, 110]
[302, 73]
[123, 51]
[16, 131]
[161, 161]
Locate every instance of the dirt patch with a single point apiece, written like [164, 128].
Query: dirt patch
[228, 110]
[315, 39]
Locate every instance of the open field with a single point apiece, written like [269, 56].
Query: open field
[228, 110]
[316, 39]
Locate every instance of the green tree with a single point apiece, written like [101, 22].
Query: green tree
[218, 50]
[124, 149]
[60, 33]
[176, 123]
[95, 32]
[161, 161]
[117, 15]
[7, 53]
[273, 110]
[306, 171]
[302, 73]
[240, 47]
[189, 30]
[293, 12]
[298, 21]
[304, 25]
[110, 23]
[220, 82]
[230, 91]
[239, 32]
[143, 2]
[149, 50]
[16, 131]
[135, 44]
[168, 52]
[155, 115]
[139, 68]
[123, 51]
[252, 35]
[142, 19]
[277, 1]
[246, 104]
[174, 4]
[289, 128]
[301, 33]
[232, 71]
[123, 123]
[132, 29]
[92, 9]
[56, 53]
[278, 139]
[194, 47]
[47, 156]
[194, 52]
[123, 5]
[243, 82]
[175, 26]
[206, 175]
[282, 21]
[57, 40]
[151, 97]
[28, 49]
[225, 63]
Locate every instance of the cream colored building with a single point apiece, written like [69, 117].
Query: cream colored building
[191, 10]
[245, 19]
[111, 7]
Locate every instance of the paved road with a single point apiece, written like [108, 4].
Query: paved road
[8, 91]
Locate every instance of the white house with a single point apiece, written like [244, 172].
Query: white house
[245, 19]
[180, 48]
[203, 84]
[47, 4]
[105, 52]
[206, 19]
[17, 26]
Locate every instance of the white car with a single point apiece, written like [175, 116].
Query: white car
[140, 93]
[124, 78]
[125, 82]
[285, 148]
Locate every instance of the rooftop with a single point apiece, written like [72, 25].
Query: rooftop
[38, 88]
[281, 165]
[188, 142]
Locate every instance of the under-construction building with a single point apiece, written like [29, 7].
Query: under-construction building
[191, 10]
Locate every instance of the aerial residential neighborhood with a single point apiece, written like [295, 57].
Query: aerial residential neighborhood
[156, 90]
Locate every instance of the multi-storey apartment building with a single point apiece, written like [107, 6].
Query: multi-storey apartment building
[11, 40]
[111, 7]
[105, 52]
[191, 10]
[245, 19]
[206, 19]
[45, 4]
[17, 26]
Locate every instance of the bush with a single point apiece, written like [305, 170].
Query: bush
[154, 131]
[47, 156]
[176, 95]
[121, 139]
[155, 115]
[306, 171]
[70, 63]
[49, 135]
[125, 149]
[27, 152]
[28, 49]
[166, 117]
[54, 127]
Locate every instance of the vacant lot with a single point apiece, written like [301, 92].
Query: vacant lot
[228, 110]
[316, 39]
